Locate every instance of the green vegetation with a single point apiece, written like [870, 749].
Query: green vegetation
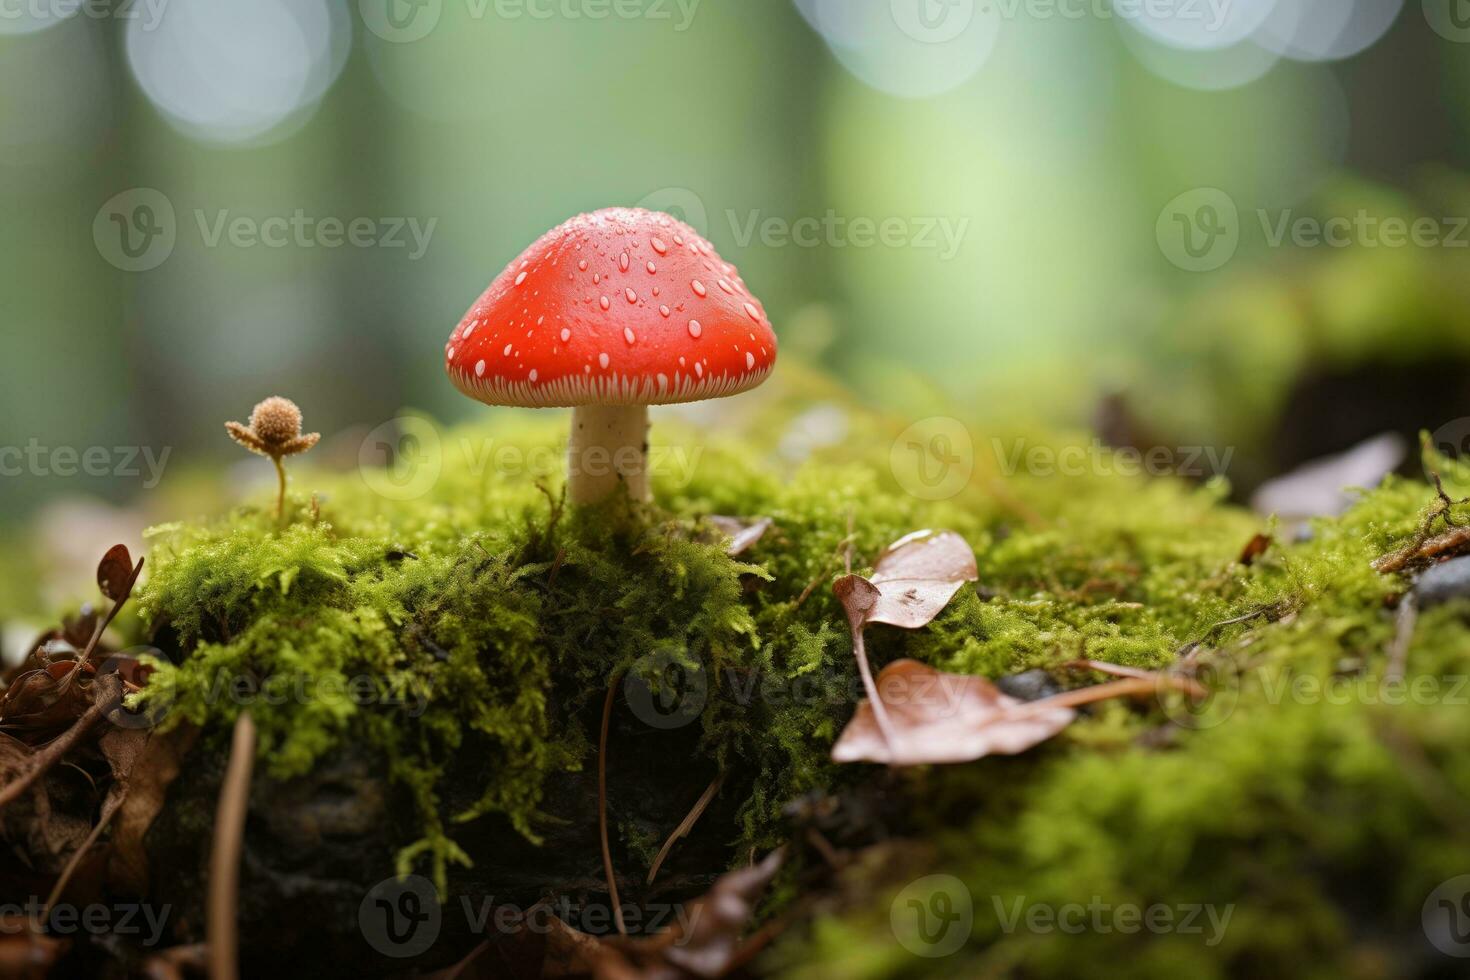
[484, 609]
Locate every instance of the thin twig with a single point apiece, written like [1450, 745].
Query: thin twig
[1116, 670]
[1398, 651]
[607, 865]
[109, 808]
[686, 824]
[224, 861]
[1117, 689]
[50, 755]
[880, 713]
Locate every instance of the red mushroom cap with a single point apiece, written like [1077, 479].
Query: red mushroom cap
[616, 307]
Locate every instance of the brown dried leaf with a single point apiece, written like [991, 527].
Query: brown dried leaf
[937, 717]
[114, 572]
[43, 702]
[153, 770]
[742, 531]
[719, 919]
[1255, 548]
[912, 581]
[712, 946]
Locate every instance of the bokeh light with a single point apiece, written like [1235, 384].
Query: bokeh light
[1325, 30]
[1214, 69]
[1198, 26]
[227, 72]
[906, 48]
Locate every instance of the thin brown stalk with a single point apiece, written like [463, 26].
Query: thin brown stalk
[880, 713]
[1119, 689]
[224, 861]
[109, 808]
[280, 486]
[607, 865]
[686, 824]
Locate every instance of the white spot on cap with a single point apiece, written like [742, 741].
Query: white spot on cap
[652, 269]
[602, 359]
[755, 314]
[479, 369]
[520, 278]
[605, 303]
[727, 287]
[632, 296]
[623, 261]
[628, 334]
[506, 352]
[659, 247]
[451, 353]
[699, 289]
[698, 369]
[664, 310]
[695, 329]
[566, 335]
[533, 374]
[749, 360]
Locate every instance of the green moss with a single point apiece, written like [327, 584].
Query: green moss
[481, 611]
[1311, 800]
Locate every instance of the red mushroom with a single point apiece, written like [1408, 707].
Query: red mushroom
[607, 314]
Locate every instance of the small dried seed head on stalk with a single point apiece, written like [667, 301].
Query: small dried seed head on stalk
[274, 429]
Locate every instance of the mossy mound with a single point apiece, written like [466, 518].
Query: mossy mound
[468, 634]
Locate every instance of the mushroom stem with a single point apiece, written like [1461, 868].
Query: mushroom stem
[609, 446]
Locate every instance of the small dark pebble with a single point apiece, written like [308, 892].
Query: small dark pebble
[1030, 685]
[1443, 582]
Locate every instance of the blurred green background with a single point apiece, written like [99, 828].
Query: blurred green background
[941, 201]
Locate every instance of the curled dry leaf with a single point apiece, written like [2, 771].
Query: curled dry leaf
[1254, 548]
[114, 572]
[151, 770]
[912, 581]
[712, 945]
[743, 532]
[936, 717]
